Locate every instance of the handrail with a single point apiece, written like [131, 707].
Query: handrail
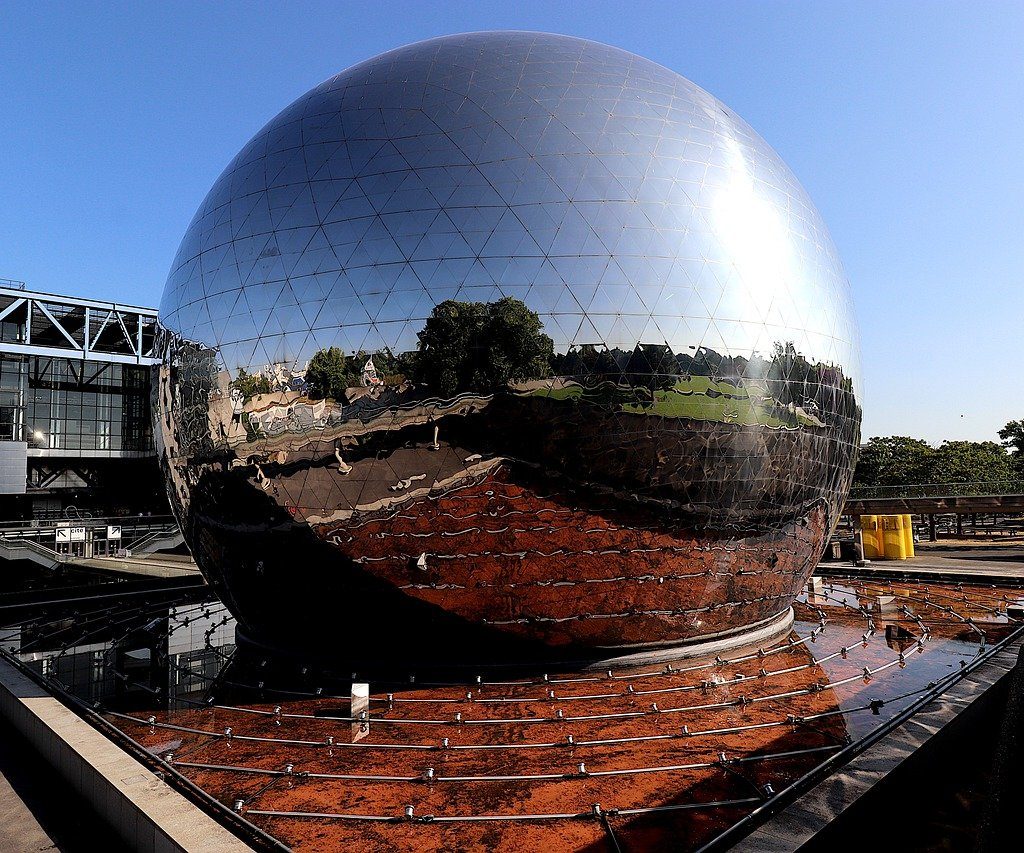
[11, 543]
[981, 488]
[14, 549]
[101, 521]
[168, 530]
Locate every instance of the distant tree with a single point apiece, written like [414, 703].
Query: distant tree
[970, 462]
[391, 367]
[1012, 436]
[250, 385]
[894, 460]
[652, 366]
[756, 368]
[514, 345]
[590, 365]
[705, 362]
[790, 375]
[449, 345]
[329, 373]
[477, 346]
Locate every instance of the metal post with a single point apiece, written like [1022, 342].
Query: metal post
[933, 536]
[858, 541]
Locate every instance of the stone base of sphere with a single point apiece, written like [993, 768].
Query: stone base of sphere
[305, 670]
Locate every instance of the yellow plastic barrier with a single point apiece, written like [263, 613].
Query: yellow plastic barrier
[872, 537]
[908, 536]
[894, 544]
[887, 537]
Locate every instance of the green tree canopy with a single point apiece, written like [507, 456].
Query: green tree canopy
[250, 384]
[388, 364]
[894, 460]
[1012, 436]
[898, 460]
[477, 346]
[971, 462]
[652, 366]
[329, 373]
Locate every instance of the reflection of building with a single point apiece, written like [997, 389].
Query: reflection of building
[74, 403]
[369, 375]
[152, 654]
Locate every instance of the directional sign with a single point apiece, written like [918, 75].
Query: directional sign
[113, 531]
[70, 534]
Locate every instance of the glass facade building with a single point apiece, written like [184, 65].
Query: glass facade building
[514, 337]
[75, 389]
[57, 404]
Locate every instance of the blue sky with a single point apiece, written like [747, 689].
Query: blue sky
[904, 121]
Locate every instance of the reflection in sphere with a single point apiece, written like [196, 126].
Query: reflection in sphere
[506, 343]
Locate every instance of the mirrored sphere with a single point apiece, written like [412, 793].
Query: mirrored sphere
[505, 345]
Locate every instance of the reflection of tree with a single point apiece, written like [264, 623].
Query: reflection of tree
[250, 385]
[394, 369]
[484, 347]
[791, 377]
[590, 365]
[787, 377]
[329, 373]
[652, 366]
[477, 346]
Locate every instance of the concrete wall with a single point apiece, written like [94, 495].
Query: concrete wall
[144, 810]
[13, 467]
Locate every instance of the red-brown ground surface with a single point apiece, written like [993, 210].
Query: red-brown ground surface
[519, 765]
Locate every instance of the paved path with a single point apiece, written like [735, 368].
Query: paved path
[154, 566]
[39, 811]
[979, 562]
[19, 829]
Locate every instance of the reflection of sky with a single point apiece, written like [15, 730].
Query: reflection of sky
[633, 209]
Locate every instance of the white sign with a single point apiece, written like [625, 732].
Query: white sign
[359, 710]
[113, 531]
[70, 534]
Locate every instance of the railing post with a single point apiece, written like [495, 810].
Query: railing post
[858, 542]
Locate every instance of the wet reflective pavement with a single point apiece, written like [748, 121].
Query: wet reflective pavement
[644, 756]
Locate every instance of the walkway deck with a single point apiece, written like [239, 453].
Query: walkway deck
[148, 565]
[977, 563]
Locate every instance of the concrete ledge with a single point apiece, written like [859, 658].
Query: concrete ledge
[800, 822]
[144, 810]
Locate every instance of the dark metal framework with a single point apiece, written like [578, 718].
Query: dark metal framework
[34, 323]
